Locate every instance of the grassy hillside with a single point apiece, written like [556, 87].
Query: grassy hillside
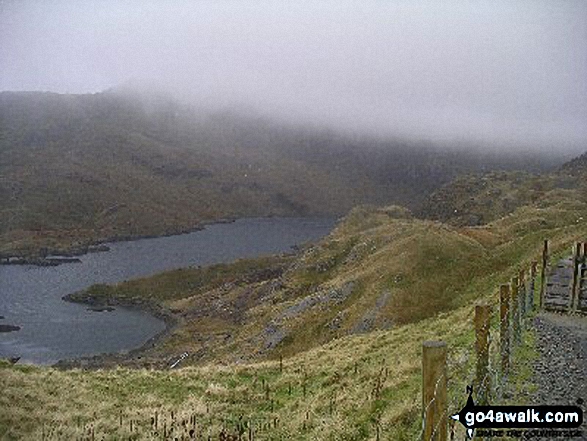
[348, 315]
[576, 167]
[81, 168]
[93, 167]
[341, 384]
[336, 380]
[479, 199]
[327, 393]
[379, 269]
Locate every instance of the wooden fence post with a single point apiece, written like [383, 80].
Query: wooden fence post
[434, 399]
[504, 328]
[482, 324]
[522, 294]
[543, 272]
[532, 290]
[574, 286]
[515, 308]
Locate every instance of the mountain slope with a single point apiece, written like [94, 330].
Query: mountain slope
[81, 168]
[379, 269]
[340, 386]
[480, 199]
[576, 167]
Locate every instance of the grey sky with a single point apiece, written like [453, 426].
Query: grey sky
[499, 72]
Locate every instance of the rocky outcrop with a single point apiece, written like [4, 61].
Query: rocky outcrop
[274, 332]
[101, 308]
[334, 295]
[576, 167]
[39, 261]
[368, 321]
[9, 328]
[53, 257]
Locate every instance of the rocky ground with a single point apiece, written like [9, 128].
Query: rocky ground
[561, 369]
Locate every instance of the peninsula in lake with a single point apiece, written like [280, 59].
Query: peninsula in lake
[272, 220]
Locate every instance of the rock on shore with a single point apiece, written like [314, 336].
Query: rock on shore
[9, 328]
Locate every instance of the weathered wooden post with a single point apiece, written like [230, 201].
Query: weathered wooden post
[434, 402]
[543, 272]
[581, 279]
[482, 324]
[504, 328]
[522, 294]
[576, 266]
[515, 308]
[532, 290]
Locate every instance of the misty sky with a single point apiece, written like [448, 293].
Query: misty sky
[499, 72]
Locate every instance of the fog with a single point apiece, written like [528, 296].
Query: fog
[498, 73]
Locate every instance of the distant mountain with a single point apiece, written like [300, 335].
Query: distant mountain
[82, 168]
[479, 199]
[575, 167]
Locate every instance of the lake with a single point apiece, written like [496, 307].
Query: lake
[52, 329]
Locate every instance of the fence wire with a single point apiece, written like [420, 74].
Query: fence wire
[485, 368]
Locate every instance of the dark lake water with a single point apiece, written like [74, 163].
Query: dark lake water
[52, 329]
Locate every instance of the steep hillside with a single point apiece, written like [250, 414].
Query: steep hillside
[379, 269]
[479, 199]
[92, 167]
[406, 280]
[576, 167]
[82, 168]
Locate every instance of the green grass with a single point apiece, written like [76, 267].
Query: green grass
[188, 282]
[333, 385]
[82, 168]
[422, 268]
[337, 401]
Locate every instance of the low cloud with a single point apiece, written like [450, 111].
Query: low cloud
[491, 73]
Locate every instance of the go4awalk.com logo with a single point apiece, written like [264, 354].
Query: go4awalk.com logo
[475, 417]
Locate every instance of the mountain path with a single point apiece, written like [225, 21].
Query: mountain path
[561, 368]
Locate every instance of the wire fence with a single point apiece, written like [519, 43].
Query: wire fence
[485, 367]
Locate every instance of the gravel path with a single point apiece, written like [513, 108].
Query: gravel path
[561, 369]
